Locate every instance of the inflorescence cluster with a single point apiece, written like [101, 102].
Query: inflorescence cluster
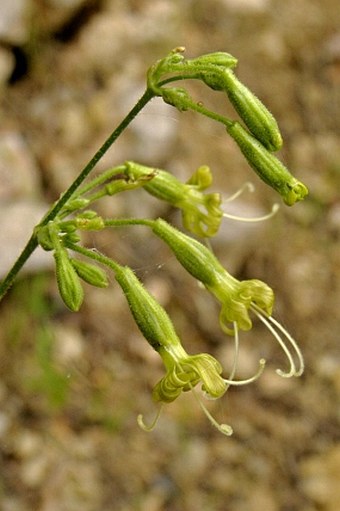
[240, 301]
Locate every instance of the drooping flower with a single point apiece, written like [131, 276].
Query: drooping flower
[201, 212]
[239, 299]
[235, 296]
[183, 371]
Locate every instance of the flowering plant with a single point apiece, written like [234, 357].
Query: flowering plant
[202, 213]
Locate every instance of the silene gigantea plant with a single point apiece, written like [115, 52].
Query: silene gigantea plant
[258, 137]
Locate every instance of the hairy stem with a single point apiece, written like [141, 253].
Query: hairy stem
[95, 255]
[122, 222]
[196, 106]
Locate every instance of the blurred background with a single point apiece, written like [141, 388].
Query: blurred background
[72, 385]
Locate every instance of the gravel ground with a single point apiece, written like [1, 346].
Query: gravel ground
[72, 385]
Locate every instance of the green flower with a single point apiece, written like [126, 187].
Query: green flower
[185, 371]
[236, 297]
[201, 212]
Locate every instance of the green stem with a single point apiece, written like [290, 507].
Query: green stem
[5, 284]
[99, 180]
[98, 256]
[95, 196]
[32, 243]
[56, 208]
[192, 105]
[147, 96]
[122, 222]
[198, 107]
[95, 256]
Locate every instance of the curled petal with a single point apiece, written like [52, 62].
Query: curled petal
[201, 178]
[201, 213]
[262, 218]
[171, 386]
[260, 370]
[186, 374]
[234, 311]
[256, 291]
[208, 369]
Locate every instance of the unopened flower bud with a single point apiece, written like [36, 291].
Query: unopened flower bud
[210, 68]
[89, 221]
[151, 318]
[44, 237]
[256, 116]
[75, 204]
[267, 166]
[90, 273]
[69, 285]
[218, 58]
[176, 96]
[201, 212]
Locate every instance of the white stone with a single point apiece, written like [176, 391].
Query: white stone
[17, 222]
[6, 65]
[18, 170]
[14, 22]
[247, 5]
[155, 130]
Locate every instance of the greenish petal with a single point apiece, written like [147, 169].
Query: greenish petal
[186, 373]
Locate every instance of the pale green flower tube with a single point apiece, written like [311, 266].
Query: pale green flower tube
[267, 166]
[201, 212]
[69, 285]
[256, 116]
[236, 297]
[151, 318]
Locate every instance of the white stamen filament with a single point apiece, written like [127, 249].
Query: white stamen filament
[260, 370]
[230, 380]
[237, 346]
[246, 187]
[273, 211]
[293, 344]
[148, 428]
[269, 322]
[225, 429]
